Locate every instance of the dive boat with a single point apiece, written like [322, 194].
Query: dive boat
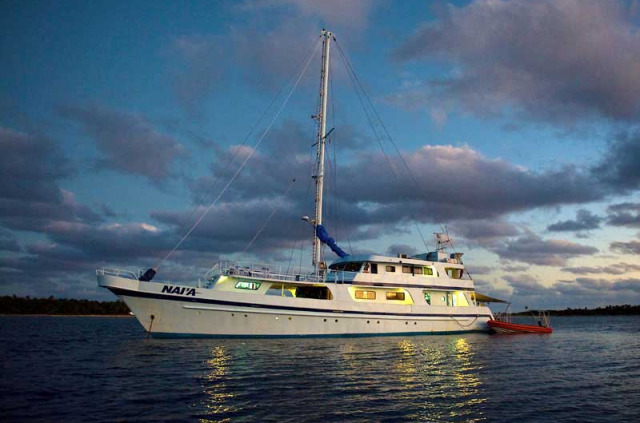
[356, 295]
[511, 328]
[501, 323]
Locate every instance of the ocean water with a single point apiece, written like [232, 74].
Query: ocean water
[104, 369]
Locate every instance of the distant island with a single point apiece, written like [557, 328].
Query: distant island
[61, 306]
[610, 310]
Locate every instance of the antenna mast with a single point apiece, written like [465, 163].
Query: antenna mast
[322, 127]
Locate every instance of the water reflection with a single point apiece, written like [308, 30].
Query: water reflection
[217, 397]
[441, 379]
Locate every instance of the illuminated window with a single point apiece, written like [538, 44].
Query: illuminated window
[428, 271]
[398, 296]
[427, 298]
[248, 285]
[366, 295]
[390, 269]
[406, 269]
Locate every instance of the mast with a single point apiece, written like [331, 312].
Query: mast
[322, 127]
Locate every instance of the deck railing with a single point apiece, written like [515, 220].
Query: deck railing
[275, 272]
[122, 273]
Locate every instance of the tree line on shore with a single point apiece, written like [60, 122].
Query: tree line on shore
[60, 306]
[610, 310]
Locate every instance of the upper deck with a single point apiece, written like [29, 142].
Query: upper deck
[359, 269]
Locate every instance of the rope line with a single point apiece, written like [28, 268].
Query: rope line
[266, 223]
[246, 160]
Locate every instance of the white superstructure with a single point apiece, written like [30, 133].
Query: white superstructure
[356, 295]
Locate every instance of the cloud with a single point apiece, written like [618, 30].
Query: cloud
[526, 285]
[197, 68]
[334, 13]
[631, 247]
[532, 249]
[584, 220]
[30, 165]
[613, 269]
[484, 232]
[127, 142]
[624, 214]
[395, 249]
[620, 165]
[545, 60]
[8, 241]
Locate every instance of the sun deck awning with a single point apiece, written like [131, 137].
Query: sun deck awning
[487, 299]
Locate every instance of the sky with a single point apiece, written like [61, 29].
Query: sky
[512, 125]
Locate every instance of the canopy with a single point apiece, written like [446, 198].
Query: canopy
[486, 299]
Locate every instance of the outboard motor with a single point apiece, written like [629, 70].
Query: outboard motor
[147, 276]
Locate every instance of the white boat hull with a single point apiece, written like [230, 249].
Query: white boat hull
[216, 314]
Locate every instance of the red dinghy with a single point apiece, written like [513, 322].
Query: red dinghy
[506, 327]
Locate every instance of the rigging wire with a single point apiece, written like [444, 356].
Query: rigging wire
[237, 151]
[266, 223]
[246, 160]
[359, 87]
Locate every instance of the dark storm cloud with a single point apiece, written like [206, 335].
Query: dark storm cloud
[483, 187]
[395, 249]
[30, 197]
[631, 247]
[526, 285]
[620, 165]
[532, 249]
[624, 214]
[30, 166]
[484, 232]
[8, 241]
[546, 59]
[585, 220]
[127, 142]
[613, 269]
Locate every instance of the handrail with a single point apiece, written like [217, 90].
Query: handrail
[282, 273]
[112, 271]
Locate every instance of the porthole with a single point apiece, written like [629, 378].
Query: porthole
[336, 320]
[367, 321]
[378, 321]
[325, 320]
[289, 318]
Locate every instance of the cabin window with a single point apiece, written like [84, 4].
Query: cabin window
[427, 297]
[397, 296]
[338, 267]
[390, 269]
[406, 269]
[374, 267]
[248, 285]
[454, 273]
[365, 295]
[428, 271]
[417, 270]
[353, 266]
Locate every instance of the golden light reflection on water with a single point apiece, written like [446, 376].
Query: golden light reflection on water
[217, 397]
[441, 378]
